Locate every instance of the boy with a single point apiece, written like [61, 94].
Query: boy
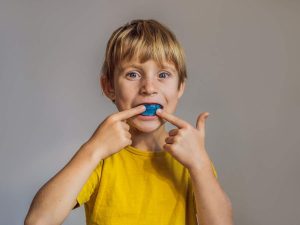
[131, 170]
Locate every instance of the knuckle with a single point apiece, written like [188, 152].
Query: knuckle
[189, 127]
[112, 118]
[173, 132]
[176, 139]
[180, 133]
[126, 126]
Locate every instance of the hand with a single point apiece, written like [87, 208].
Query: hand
[186, 144]
[113, 134]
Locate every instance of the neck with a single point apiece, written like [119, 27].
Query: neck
[152, 141]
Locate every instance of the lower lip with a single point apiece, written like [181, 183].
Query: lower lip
[146, 117]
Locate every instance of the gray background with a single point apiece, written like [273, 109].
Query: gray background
[243, 68]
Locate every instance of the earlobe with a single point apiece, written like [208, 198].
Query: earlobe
[181, 89]
[107, 88]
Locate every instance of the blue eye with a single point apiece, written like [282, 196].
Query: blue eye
[131, 75]
[166, 74]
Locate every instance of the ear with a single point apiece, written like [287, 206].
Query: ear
[107, 87]
[181, 89]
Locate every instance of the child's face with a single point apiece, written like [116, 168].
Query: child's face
[136, 83]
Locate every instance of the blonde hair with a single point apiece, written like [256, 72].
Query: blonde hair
[144, 39]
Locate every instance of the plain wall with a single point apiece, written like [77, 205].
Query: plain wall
[243, 68]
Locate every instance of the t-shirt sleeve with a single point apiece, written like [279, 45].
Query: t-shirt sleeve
[214, 169]
[191, 211]
[90, 185]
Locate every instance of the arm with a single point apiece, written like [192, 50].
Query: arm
[55, 200]
[57, 197]
[186, 144]
[213, 205]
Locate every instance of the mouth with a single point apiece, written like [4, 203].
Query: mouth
[151, 108]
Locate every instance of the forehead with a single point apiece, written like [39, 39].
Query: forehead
[138, 63]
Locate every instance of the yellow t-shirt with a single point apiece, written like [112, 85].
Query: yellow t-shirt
[138, 187]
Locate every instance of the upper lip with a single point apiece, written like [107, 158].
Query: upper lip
[149, 102]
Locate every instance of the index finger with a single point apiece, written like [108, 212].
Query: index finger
[125, 114]
[171, 118]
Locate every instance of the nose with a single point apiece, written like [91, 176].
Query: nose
[148, 87]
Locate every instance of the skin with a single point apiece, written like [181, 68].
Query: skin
[185, 143]
[137, 82]
[55, 199]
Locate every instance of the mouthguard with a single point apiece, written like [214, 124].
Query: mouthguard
[151, 109]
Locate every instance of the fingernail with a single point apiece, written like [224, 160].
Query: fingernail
[159, 110]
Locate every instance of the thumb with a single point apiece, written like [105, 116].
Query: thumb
[200, 125]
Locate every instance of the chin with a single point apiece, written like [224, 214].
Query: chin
[146, 126]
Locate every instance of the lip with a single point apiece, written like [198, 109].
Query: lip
[147, 118]
[146, 102]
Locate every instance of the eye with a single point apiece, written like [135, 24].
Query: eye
[165, 75]
[132, 75]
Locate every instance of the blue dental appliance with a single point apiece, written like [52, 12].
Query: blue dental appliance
[151, 109]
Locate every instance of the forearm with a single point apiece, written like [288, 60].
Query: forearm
[57, 197]
[213, 205]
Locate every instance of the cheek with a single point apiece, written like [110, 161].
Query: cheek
[172, 100]
[124, 99]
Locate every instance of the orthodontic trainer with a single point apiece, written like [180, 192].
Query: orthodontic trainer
[151, 109]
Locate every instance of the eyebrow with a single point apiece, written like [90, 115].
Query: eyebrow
[170, 68]
[122, 68]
